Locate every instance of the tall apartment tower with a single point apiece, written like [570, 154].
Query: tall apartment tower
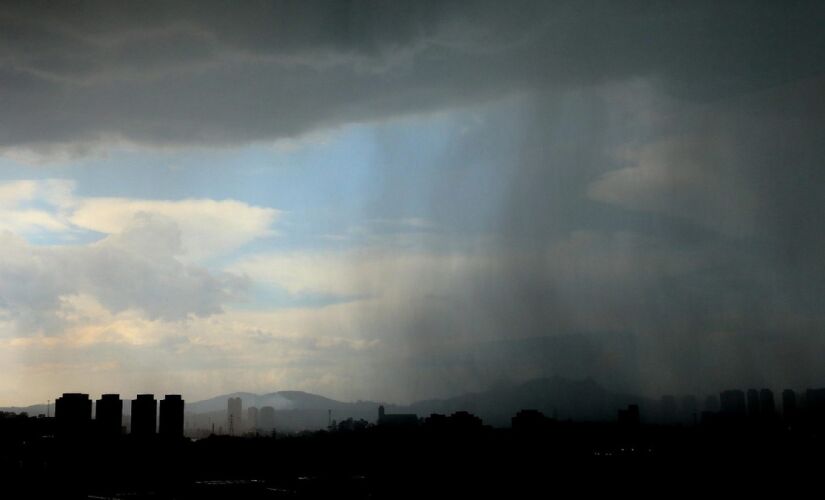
[73, 414]
[732, 403]
[788, 403]
[171, 416]
[109, 415]
[252, 418]
[753, 403]
[234, 418]
[266, 419]
[144, 415]
[767, 404]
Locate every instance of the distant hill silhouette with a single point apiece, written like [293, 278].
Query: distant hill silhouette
[281, 401]
[297, 410]
[32, 410]
[611, 357]
[564, 398]
[294, 410]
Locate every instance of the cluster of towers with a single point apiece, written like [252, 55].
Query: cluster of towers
[760, 403]
[73, 415]
[752, 404]
[257, 420]
[736, 404]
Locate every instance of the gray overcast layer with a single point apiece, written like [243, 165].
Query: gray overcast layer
[220, 72]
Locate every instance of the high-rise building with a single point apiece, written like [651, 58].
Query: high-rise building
[252, 418]
[171, 416]
[144, 415]
[73, 414]
[629, 417]
[109, 415]
[690, 409]
[711, 403]
[403, 419]
[767, 405]
[815, 402]
[732, 403]
[788, 403]
[234, 420]
[668, 409]
[753, 403]
[266, 419]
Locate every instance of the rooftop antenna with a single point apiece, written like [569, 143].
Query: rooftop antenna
[48, 408]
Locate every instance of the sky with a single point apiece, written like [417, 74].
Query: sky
[404, 200]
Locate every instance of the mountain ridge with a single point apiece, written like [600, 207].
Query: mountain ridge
[564, 398]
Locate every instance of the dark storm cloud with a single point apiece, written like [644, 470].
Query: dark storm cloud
[222, 72]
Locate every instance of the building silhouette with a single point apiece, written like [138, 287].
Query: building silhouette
[462, 421]
[767, 404]
[690, 409]
[789, 404]
[815, 402]
[252, 418]
[144, 415]
[630, 416]
[711, 403]
[732, 403]
[73, 414]
[396, 419]
[753, 403]
[669, 409]
[171, 416]
[109, 415]
[266, 419]
[234, 420]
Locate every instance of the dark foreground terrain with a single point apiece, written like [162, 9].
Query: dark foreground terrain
[555, 458]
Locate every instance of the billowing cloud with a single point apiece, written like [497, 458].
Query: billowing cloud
[28, 206]
[134, 269]
[144, 262]
[207, 227]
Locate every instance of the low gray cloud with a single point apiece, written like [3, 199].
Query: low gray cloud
[213, 73]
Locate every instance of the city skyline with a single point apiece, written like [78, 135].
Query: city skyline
[244, 411]
[78, 417]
